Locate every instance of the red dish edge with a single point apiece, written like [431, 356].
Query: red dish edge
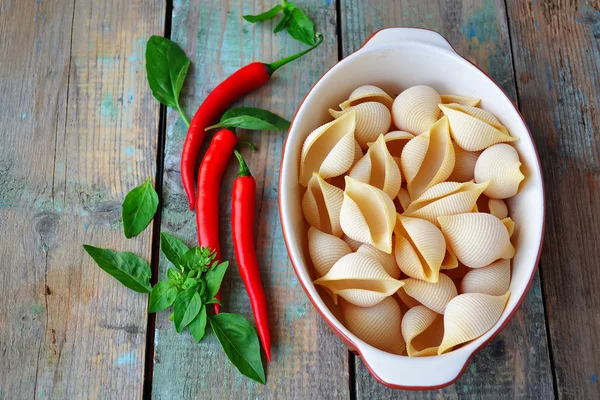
[349, 343]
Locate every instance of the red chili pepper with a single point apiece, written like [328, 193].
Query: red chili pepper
[209, 183]
[242, 82]
[242, 218]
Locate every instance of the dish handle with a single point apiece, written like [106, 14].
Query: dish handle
[387, 35]
[417, 374]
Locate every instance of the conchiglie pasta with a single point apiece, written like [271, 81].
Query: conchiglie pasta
[322, 204]
[379, 325]
[493, 279]
[403, 198]
[325, 250]
[372, 119]
[477, 239]
[329, 149]
[359, 279]
[446, 198]
[368, 215]
[434, 296]
[498, 208]
[474, 129]
[378, 168]
[428, 158]
[450, 259]
[416, 109]
[395, 142]
[509, 224]
[469, 316]
[367, 93]
[422, 330]
[408, 301]
[419, 249]
[462, 100]
[500, 165]
[354, 244]
[464, 165]
[387, 261]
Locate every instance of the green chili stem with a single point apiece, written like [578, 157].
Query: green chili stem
[244, 170]
[278, 64]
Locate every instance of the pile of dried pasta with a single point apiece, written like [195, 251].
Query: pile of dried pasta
[409, 232]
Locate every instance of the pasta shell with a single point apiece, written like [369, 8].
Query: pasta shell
[403, 198]
[474, 129]
[493, 279]
[379, 325]
[416, 109]
[408, 301]
[477, 239]
[387, 261]
[498, 208]
[446, 198]
[462, 100]
[450, 260]
[372, 119]
[428, 158]
[321, 205]
[354, 244]
[367, 93]
[419, 249]
[500, 165]
[325, 250]
[509, 224]
[329, 149]
[358, 154]
[395, 142]
[422, 330]
[469, 316]
[359, 279]
[378, 168]
[464, 165]
[368, 215]
[434, 296]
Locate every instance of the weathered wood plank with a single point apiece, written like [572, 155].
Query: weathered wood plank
[557, 56]
[308, 360]
[79, 130]
[516, 363]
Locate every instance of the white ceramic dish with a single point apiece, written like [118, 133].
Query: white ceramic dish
[395, 59]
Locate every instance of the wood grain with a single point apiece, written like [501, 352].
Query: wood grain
[79, 130]
[516, 363]
[557, 57]
[308, 360]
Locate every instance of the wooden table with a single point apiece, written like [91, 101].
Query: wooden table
[80, 128]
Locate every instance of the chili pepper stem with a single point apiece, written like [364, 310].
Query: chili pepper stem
[244, 170]
[278, 64]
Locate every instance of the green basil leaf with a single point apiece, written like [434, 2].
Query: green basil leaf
[198, 325]
[174, 275]
[162, 296]
[300, 27]
[213, 279]
[264, 16]
[214, 300]
[173, 248]
[240, 342]
[190, 283]
[283, 22]
[252, 118]
[187, 305]
[127, 268]
[139, 208]
[197, 258]
[166, 69]
[172, 317]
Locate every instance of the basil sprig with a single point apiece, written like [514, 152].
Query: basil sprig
[139, 208]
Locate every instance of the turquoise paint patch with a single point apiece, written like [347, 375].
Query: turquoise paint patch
[294, 311]
[126, 358]
[482, 24]
[109, 107]
[594, 379]
[24, 115]
[37, 309]
[128, 151]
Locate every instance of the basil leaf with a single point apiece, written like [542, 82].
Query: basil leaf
[190, 283]
[213, 279]
[214, 300]
[264, 16]
[240, 342]
[197, 258]
[187, 305]
[166, 69]
[283, 22]
[198, 325]
[300, 27]
[173, 248]
[139, 208]
[174, 275]
[162, 296]
[252, 118]
[127, 268]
